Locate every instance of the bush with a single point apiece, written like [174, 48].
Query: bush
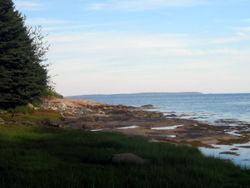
[49, 93]
[36, 104]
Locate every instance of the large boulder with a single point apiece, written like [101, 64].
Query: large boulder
[127, 158]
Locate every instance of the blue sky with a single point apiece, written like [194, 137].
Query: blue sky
[131, 46]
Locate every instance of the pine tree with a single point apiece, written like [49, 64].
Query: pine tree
[22, 76]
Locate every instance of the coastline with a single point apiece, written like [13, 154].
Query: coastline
[95, 116]
[146, 122]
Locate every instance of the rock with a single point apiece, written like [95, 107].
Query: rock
[54, 108]
[53, 124]
[101, 112]
[156, 115]
[148, 106]
[172, 115]
[30, 105]
[86, 111]
[50, 123]
[127, 158]
[1, 121]
[62, 118]
[79, 103]
[61, 106]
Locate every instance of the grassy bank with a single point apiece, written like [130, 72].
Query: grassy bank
[32, 156]
[30, 115]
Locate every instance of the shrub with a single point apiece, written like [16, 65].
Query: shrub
[21, 109]
[49, 93]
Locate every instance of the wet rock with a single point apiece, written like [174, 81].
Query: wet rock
[50, 123]
[156, 115]
[53, 124]
[62, 118]
[148, 106]
[127, 158]
[172, 115]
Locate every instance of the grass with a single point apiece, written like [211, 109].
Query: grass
[20, 109]
[30, 115]
[32, 156]
[49, 93]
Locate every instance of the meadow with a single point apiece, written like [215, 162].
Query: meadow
[38, 156]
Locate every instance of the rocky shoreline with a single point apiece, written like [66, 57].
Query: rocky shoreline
[153, 125]
[146, 122]
[134, 121]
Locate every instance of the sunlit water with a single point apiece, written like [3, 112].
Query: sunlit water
[233, 109]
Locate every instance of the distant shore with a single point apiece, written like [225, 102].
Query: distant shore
[143, 93]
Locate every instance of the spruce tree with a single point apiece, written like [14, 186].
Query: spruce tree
[22, 75]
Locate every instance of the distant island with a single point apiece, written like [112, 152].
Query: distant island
[142, 94]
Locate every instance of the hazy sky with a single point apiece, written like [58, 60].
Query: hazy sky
[130, 46]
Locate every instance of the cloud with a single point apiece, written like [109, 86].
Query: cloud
[140, 5]
[124, 62]
[96, 6]
[111, 51]
[240, 36]
[43, 21]
[27, 5]
[246, 29]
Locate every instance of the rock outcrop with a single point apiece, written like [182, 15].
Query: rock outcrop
[79, 107]
[127, 158]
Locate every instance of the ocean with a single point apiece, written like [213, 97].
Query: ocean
[214, 109]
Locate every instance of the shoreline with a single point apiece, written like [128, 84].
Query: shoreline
[112, 117]
[138, 121]
[153, 125]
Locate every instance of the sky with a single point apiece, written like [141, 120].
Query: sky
[132, 46]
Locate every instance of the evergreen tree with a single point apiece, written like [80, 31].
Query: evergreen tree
[22, 76]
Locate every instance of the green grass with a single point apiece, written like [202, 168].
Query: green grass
[33, 156]
[31, 115]
[36, 104]
[49, 93]
[21, 109]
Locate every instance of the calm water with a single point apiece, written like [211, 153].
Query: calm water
[234, 109]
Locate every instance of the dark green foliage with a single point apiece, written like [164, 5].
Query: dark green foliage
[22, 76]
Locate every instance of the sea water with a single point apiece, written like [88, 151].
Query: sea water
[214, 109]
